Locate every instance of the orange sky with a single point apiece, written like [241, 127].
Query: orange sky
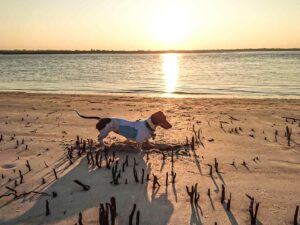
[149, 25]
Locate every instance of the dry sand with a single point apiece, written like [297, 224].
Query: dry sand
[47, 125]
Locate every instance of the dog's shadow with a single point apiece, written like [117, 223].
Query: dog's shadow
[71, 198]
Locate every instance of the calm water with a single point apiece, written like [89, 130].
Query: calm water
[251, 74]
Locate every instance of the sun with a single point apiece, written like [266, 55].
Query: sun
[170, 27]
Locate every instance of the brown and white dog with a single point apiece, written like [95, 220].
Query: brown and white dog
[139, 131]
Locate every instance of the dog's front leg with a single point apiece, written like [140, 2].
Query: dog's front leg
[103, 134]
[139, 147]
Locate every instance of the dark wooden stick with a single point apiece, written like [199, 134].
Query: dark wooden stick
[47, 208]
[84, 186]
[80, 219]
[114, 206]
[142, 179]
[155, 181]
[55, 174]
[21, 176]
[131, 214]
[223, 194]
[296, 215]
[138, 217]
[167, 179]
[173, 178]
[216, 165]
[229, 203]
[28, 165]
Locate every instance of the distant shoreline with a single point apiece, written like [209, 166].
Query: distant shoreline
[92, 51]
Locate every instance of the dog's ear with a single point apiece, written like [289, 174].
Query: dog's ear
[102, 123]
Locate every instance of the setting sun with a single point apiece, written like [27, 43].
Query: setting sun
[171, 26]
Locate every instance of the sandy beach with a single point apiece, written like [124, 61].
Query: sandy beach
[238, 133]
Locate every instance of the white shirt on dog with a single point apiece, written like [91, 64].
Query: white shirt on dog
[133, 130]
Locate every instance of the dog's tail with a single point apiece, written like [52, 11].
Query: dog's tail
[87, 117]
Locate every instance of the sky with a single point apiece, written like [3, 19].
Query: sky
[149, 24]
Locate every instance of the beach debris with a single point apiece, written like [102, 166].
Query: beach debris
[123, 167]
[163, 156]
[84, 186]
[77, 144]
[92, 157]
[143, 173]
[276, 133]
[114, 170]
[253, 209]
[194, 195]
[167, 179]
[28, 165]
[1, 137]
[233, 164]
[211, 140]
[54, 194]
[47, 208]
[288, 135]
[55, 173]
[43, 181]
[70, 160]
[290, 118]
[216, 165]
[83, 145]
[21, 176]
[137, 220]
[223, 194]
[137, 217]
[103, 214]
[131, 214]
[135, 174]
[210, 170]
[126, 161]
[229, 202]
[193, 143]
[107, 160]
[296, 215]
[208, 191]
[173, 177]
[16, 183]
[155, 181]
[12, 189]
[114, 155]
[98, 161]
[80, 219]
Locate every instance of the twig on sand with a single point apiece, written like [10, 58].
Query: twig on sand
[131, 214]
[84, 186]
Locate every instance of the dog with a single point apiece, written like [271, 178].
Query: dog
[138, 131]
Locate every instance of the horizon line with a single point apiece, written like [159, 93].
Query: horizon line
[104, 51]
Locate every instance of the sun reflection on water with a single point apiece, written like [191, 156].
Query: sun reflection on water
[170, 69]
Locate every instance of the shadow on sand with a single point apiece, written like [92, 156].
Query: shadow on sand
[155, 208]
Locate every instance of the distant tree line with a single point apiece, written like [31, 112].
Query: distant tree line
[96, 51]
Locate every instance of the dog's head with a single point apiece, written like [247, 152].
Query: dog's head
[159, 119]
